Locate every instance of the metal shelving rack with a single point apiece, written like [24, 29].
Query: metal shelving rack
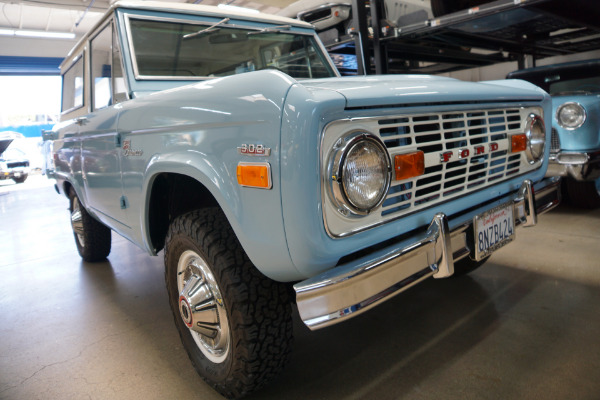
[498, 31]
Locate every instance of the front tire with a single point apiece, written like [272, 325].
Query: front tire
[93, 239]
[235, 323]
[584, 194]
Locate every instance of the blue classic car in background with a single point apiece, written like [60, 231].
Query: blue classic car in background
[230, 142]
[575, 152]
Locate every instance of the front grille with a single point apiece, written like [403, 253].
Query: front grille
[555, 142]
[482, 138]
[18, 164]
[465, 151]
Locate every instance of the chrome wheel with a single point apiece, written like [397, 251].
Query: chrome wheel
[235, 324]
[201, 306]
[77, 222]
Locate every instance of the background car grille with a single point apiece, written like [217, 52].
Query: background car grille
[555, 142]
[18, 164]
[435, 134]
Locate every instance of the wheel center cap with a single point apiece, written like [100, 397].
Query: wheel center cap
[186, 311]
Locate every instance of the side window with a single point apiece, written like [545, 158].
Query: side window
[119, 87]
[72, 90]
[101, 56]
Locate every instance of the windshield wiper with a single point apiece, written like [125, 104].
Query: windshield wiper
[210, 29]
[274, 29]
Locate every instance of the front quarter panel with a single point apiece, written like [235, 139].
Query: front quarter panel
[195, 131]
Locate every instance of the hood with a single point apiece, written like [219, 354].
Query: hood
[369, 91]
[6, 138]
[4, 143]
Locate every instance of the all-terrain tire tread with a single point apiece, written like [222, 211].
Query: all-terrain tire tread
[259, 308]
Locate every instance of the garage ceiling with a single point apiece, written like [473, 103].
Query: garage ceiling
[76, 16]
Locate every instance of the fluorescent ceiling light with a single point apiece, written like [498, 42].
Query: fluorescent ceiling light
[37, 34]
[236, 8]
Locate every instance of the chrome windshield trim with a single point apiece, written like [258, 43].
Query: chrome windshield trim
[128, 16]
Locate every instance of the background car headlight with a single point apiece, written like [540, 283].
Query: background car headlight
[570, 115]
[536, 138]
[360, 173]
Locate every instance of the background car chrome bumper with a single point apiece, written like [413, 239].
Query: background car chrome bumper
[349, 289]
[580, 166]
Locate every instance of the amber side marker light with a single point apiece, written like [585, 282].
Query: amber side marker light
[409, 165]
[518, 143]
[256, 175]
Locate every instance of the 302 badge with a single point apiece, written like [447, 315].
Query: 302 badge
[254, 150]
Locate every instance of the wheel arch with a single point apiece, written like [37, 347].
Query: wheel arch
[164, 204]
[166, 177]
[66, 188]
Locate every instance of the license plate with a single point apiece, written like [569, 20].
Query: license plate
[17, 174]
[493, 229]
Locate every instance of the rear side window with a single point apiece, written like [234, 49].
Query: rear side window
[101, 60]
[72, 90]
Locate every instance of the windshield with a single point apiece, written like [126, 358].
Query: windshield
[583, 85]
[167, 50]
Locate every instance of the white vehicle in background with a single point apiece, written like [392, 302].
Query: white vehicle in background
[14, 163]
[324, 14]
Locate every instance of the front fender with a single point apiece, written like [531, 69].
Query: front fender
[243, 207]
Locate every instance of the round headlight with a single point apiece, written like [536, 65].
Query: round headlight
[570, 115]
[361, 173]
[536, 138]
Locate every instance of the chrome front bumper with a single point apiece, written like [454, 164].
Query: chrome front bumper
[581, 166]
[350, 289]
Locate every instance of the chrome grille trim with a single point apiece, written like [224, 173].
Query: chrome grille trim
[434, 134]
[554, 142]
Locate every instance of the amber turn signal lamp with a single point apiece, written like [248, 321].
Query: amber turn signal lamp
[256, 175]
[409, 165]
[518, 143]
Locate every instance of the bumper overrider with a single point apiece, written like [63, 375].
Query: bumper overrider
[581, 166]
[352, 288]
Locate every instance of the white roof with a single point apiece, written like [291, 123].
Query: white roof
[186, 8]
[198, 9]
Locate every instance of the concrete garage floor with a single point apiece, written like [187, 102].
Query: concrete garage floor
[525, 326]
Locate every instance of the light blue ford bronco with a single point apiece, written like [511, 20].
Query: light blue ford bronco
[229, 142]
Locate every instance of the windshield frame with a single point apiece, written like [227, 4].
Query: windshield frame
[234, 24]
